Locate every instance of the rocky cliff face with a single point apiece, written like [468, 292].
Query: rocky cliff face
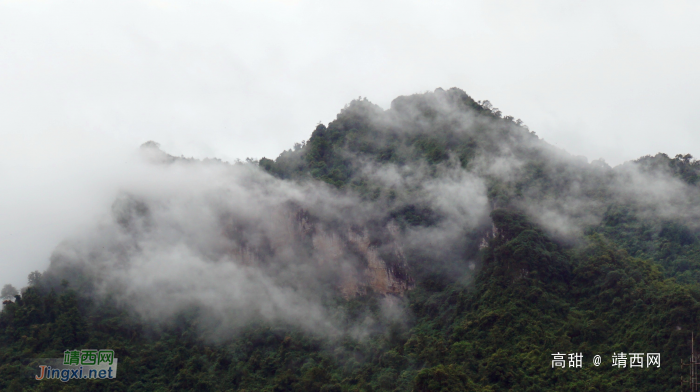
[382, 275]
[364, 259]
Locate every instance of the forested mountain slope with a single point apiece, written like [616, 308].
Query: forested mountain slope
[433, 246]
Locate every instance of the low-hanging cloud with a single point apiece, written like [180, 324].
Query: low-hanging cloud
[240, 245]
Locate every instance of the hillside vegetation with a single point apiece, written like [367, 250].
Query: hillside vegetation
[515, 251]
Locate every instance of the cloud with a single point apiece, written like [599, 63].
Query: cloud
[235, 79]
[228, 240]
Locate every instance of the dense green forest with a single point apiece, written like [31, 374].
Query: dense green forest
[570, 257]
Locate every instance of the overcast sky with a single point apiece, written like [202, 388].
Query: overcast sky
[82, 83]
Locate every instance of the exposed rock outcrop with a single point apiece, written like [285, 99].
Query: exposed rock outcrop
[363, 259]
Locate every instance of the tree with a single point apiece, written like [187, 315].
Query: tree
[33, 278]
[8, 292]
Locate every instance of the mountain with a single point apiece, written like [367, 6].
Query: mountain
[434, 246]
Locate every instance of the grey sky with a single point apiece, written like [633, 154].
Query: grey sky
[82, 83]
